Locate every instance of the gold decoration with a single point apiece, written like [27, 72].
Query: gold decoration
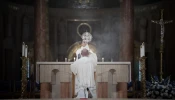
[73, 48]
[143, 76]
[86, 24]
[161, 22]
[24, 77]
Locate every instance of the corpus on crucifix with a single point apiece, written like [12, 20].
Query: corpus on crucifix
[161, 22]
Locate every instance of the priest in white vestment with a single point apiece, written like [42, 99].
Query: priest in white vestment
[84, 45]
[84, 69]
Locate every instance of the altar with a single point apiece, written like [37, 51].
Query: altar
[57, 81]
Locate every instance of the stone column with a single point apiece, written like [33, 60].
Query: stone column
[126, 40]
[40, 40]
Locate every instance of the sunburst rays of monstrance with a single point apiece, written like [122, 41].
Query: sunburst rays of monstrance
[74, 47]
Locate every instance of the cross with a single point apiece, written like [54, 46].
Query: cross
[161, 22]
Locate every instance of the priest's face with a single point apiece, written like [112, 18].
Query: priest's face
[83, 43]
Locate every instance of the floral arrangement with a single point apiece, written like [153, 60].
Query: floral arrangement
[163, 89]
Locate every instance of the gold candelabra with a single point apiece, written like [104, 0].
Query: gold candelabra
[161, 60]
[143, 76]
[24, 76]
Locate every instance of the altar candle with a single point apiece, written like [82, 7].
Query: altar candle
[143, 47]
[102, 59]
[23, 49]
[68, 60]
[141, 51]
[26, 50]
[65, 59]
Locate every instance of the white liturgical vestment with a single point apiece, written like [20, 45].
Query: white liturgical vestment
[84, 69]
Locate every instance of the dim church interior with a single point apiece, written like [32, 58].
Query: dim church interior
[118, 28]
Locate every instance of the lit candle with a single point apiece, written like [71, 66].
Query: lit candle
[102, 59]
[141, 51]
[68, 60]
[65, 59]
[143, 47]
[26, 50]
[23, 49]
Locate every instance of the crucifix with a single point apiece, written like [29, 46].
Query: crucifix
[161, 22]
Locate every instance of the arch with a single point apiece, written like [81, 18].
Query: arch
[53, 76]
[55, 83]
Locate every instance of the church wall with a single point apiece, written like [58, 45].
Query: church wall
[1, 44]
[169, 53]
[8, 47]
[11, 43]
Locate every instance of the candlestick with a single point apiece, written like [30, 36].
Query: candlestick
[140, 71]
[28, 68]
[143, 76]
[24, 77]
